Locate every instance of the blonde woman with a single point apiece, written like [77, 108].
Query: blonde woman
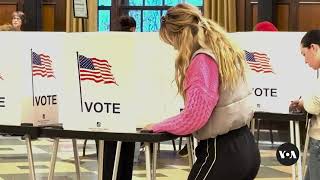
[210, 75]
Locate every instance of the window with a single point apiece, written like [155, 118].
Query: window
[147, 13]
[104, 15]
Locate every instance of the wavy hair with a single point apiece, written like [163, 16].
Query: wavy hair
[187, 30]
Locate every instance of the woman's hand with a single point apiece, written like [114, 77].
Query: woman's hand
[148, 127]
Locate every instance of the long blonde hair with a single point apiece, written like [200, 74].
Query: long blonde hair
[184, 28]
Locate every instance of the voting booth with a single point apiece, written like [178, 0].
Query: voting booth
[278, 73]
[11, 80]
[29, 81]
[97, 82]
[118, 81]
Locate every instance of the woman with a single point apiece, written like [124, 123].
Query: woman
[310, 49]
[17, 20]
[210, 75]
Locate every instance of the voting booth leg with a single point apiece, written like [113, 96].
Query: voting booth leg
[148, 160]
[100, 159]
[293, 167]
[195, 144]
[190, 151]
[252, 124]
[53, 158]
[30, 157]
[154, 160]
[305, 149]
[76, 158]
[116, 161]
[297, 137]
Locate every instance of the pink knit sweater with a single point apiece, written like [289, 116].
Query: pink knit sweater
[202, 94]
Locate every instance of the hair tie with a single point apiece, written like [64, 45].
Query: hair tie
[163, 19]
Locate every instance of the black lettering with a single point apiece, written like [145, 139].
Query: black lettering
[258, 92]
[265, 91]
[88, 108]
[116, 106]
[107, 106]
[2, 102]
[43, 100]
[49, 99]
[37, 98]
[54, 99]
[100, 105]
[274, 92]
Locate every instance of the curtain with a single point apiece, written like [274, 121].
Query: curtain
[223, 12]
[79, 25]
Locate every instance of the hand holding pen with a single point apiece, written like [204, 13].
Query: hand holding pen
[296, 106]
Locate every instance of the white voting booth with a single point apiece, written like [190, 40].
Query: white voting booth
[11, 82]
[119, 81]
[290, 76]
[142, 68]
[44, 51]
[98, 80]
[30, 90]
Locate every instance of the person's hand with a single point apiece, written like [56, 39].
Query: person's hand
[148, 127]
[296, 106]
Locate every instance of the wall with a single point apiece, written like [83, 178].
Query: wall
[290, 15]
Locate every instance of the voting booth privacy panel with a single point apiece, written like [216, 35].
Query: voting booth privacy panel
[42, 52]
[98, 82]
[119, 81]
[10, 80]
[278, 73]
[28, 80]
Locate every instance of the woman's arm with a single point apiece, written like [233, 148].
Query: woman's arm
[202, 94]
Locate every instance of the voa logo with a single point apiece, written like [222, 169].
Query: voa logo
[287, 154]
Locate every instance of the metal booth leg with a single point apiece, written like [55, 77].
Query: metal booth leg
[100, 159]
[154, 160]
[148, 160]
[297, 137]
[30, 157]
[116, 161]
[76, 158]
[190, 151]
[293, 167]
[53, 158]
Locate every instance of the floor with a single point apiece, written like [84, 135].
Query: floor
[14, 165]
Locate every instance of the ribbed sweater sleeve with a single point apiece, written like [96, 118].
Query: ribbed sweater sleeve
[202, 94]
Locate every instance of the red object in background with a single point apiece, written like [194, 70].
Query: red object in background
[265, 26]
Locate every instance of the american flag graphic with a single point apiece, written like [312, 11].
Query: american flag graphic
[42, 65]
[96, 70]
[258, 62]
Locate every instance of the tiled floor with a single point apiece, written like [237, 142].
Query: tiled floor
[14, 166]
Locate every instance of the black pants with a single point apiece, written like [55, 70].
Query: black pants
[125, 162]
[232, 156]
